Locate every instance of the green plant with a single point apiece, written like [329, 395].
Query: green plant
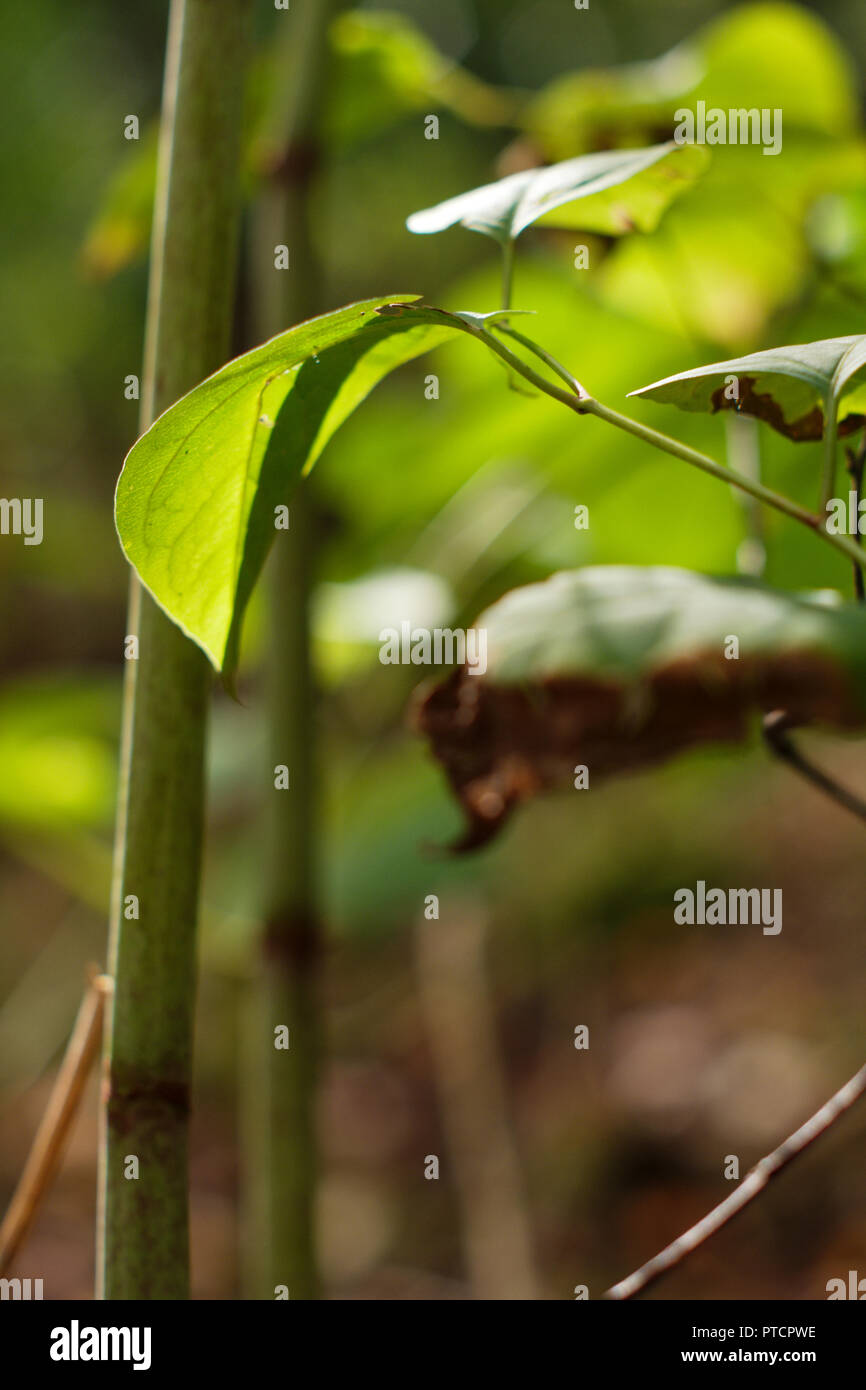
[203, 488]
[198, 493]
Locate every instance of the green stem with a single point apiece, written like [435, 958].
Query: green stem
[776, 728]
[143, 1240]
[783, 504]
[583, 404]
[706, 464]
[743, 455]
[831, 432]
[547, 357]
[507, 272]
[282, 1152]
[856, 460]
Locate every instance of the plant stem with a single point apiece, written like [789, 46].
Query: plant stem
[143, 1224]
[753, 1183]
[547, 357]
[831, 430]
[856, 461]
[776, 727]
[507, 272]
[744, 456]
[708, 465]
[783, 504]
[583, 404]
[282, 1152]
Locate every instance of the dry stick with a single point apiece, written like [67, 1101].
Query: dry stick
[775, 729]
[47, 1146]
[754, 1182]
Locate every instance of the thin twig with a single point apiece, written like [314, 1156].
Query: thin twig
[47, 1146]
[548, 358]
[775, 729]
[754, 1182]
[856, 460]
[583, 404]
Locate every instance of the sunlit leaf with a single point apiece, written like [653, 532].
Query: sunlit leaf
[586, 192]
[788, 387]
[196, 500]
[384, 68]
[615, 668]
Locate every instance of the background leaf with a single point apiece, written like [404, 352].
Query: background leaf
[585, 192]
[786, 386]
[617, 667]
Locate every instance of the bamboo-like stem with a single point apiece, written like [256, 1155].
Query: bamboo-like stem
[143, 1222]
[48, 1143]
[280, 1088]
[753, 1183]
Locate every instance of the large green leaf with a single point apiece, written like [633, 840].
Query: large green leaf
[196, 500]
[587, 192]
[617, 667]
[788, 387]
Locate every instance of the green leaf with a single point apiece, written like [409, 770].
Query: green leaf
[196, 500]
[586, 192]
[731, 256]
[766, 56]
[57, 751]
[383, 68]
[120, 229]
[788, 387]
[618, 667]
